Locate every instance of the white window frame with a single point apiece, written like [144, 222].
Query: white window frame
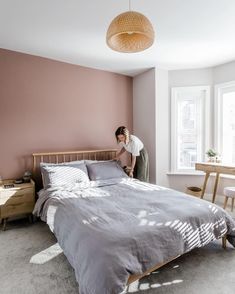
[206, 136]
[218, 137]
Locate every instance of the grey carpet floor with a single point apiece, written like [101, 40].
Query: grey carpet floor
[32, 263]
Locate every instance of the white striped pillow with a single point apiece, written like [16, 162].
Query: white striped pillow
[63, 174]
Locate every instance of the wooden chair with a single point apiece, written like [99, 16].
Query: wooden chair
[229, 192]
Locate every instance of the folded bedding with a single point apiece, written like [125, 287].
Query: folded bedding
[113, 228]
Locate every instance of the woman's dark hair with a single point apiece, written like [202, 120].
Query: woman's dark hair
[122, 131]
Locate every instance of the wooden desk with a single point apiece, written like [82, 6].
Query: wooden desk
[217, 168]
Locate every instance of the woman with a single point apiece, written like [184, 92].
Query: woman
[139, 155]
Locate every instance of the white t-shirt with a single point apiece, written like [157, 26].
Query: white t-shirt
[133, 146]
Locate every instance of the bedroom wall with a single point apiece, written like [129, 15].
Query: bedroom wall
[224, 73]
[46, 105]
[162, 127]
[151, 120]
[144, 123]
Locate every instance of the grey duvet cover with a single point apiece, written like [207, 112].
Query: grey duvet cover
[109, 230]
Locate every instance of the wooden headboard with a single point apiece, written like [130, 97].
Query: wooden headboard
[67, 156]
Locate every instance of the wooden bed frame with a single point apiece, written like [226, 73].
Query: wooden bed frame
[67, 156]
[104, 154]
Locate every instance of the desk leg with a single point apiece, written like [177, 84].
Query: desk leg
[204, 185]
[215, 187]
[232, 204]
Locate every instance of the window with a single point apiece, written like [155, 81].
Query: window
[189, 127]
[225, 121]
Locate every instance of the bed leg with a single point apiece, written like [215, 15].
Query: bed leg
[224, 241]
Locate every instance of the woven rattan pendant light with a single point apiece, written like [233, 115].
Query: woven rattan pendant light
[130, 32]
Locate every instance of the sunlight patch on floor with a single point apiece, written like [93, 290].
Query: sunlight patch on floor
[138, 286]
[46, 255]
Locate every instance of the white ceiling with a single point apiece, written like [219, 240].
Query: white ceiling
[189, 33]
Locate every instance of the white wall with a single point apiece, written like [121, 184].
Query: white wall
[224, 73]
[144, 124]
[162, 127]
[151, 120]
[191, 77]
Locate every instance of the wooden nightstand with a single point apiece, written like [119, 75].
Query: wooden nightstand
[16, 201]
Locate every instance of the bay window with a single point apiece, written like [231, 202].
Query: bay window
[190, 134]
[225, 121]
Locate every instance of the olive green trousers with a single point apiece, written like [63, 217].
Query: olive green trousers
[141, 170]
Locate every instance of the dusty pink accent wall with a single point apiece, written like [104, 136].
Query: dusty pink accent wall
[46, 105]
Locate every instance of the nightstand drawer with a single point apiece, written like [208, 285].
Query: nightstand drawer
[14, 192]
[15, 209]
[17, 198]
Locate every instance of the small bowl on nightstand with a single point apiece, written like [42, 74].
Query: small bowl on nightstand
[18, 181]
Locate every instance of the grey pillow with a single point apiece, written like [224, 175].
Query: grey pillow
[63, 174]
[105, 170]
